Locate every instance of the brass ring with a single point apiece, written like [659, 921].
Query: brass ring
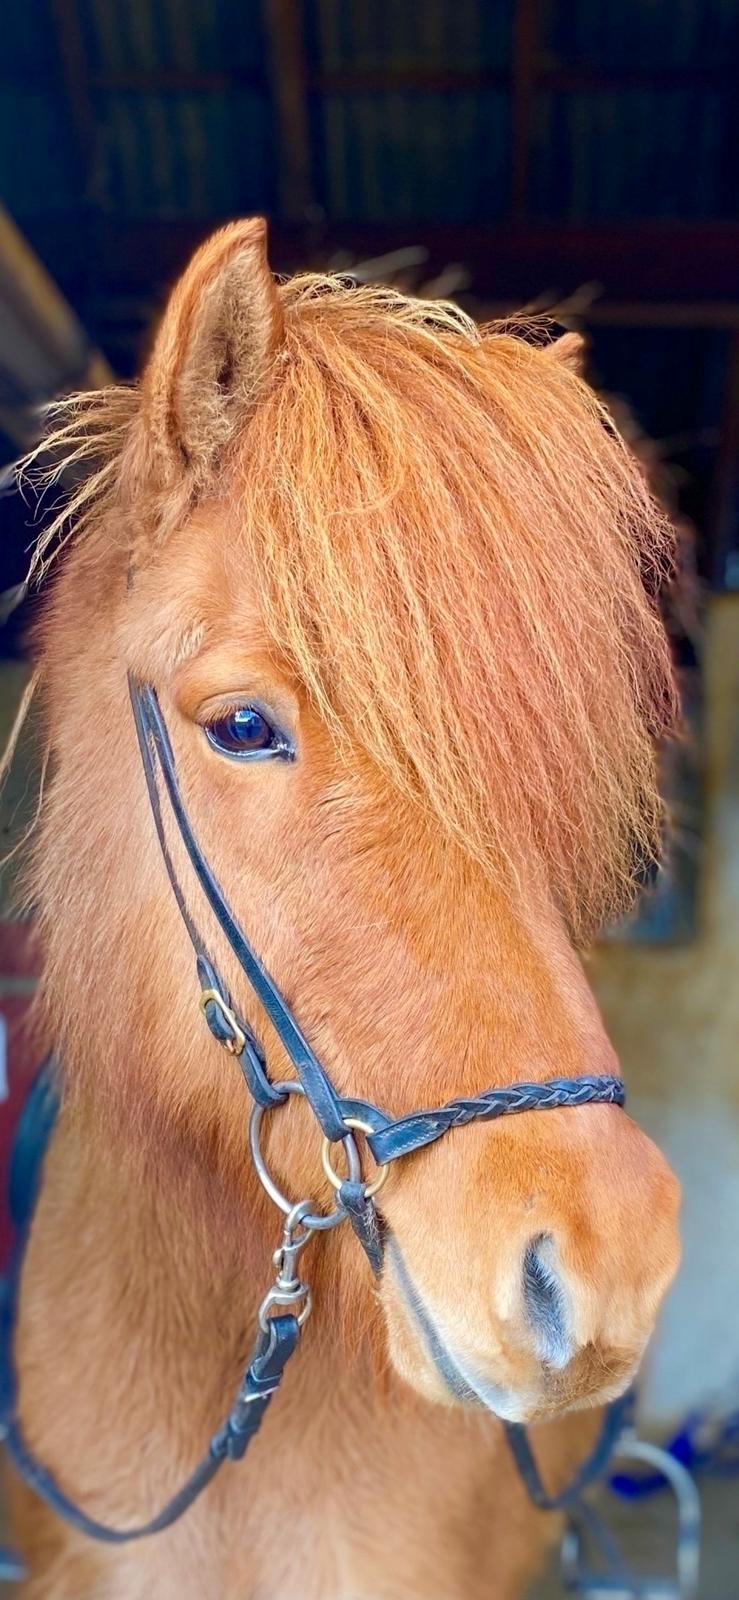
[333, 1176]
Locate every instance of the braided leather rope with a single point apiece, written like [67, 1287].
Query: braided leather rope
[405, 1134]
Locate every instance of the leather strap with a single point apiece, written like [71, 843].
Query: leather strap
[260, 1383]
[592, 1468]
[250, 1056]
[362, 1214]
[156, 751]
[405, 1134]
[262, 1377]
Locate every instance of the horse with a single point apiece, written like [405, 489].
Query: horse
[392, 580]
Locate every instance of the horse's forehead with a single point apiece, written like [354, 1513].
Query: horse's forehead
[196, 594]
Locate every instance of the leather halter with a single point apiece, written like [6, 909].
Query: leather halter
[388, 1138]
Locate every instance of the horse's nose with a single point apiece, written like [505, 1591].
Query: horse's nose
[588, 1286]
[551, 1305]
[546, 1302]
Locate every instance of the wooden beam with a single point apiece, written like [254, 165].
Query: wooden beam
[80, 108]
[722, 530]
[719, 75]
[287, 71]
[43, 347]
[524, 74]
[645, 262]
[523, 80]
[712, 75]
[406, 79]
[715, 314]
[175, 80]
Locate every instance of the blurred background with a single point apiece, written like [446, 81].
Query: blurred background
[580, 156]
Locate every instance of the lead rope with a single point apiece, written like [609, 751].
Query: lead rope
[282, 1314]
[277, 1340]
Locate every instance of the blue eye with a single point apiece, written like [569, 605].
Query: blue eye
[245, 731]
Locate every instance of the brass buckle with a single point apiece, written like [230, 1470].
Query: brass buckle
[370, 1189]
[237, 1043]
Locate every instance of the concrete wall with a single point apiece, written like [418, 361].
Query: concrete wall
[673, 1014]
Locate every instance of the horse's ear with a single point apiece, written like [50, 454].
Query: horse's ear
[570, 349]
[213, 352]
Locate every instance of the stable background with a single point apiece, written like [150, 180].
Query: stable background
[576, 155]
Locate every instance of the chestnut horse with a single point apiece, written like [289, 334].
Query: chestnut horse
[418, 553]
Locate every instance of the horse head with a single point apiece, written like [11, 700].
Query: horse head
[404, 558]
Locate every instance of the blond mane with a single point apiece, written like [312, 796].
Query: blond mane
[458, 557]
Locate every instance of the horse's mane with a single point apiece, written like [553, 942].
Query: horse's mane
[458, 557]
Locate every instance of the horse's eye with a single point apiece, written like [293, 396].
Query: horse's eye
[245, 731]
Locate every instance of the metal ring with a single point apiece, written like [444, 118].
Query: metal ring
[333, 1177]
[314, 1220]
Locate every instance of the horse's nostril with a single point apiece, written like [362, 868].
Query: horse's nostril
[545, 1302]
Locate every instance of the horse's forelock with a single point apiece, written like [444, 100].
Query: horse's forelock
[449, 540]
